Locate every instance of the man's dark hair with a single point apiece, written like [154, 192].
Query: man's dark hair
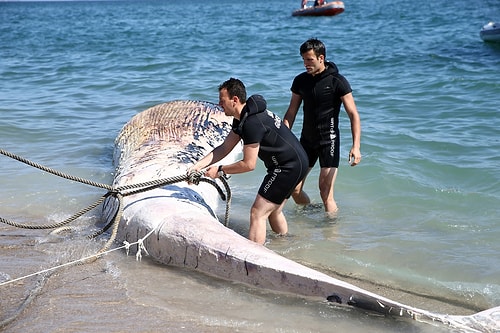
[313, 44]
[235, 87]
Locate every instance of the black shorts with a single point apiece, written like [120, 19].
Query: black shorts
[278, 184]
[328, 152]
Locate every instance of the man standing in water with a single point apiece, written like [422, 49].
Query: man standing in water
[265, 136]
[323, 90]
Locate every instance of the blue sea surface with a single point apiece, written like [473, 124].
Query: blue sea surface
[420, 213]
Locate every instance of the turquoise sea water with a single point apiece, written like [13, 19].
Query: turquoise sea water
[420, 213]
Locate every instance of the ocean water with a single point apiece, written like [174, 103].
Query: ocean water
[419, 217]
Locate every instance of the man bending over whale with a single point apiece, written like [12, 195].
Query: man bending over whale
[265, 136]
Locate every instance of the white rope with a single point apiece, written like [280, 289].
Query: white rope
[127, 245]
[140, 246]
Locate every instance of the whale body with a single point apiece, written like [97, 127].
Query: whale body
[185, 231]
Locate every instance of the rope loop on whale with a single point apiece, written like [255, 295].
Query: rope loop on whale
[118, 193]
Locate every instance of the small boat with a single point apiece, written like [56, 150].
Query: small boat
[177, 223]
[327, 9]
[490, 32]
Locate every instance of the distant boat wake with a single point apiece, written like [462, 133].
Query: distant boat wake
[162, 141]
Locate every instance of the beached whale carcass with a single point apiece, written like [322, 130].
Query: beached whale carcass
[161, 142]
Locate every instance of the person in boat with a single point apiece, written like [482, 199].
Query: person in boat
[319, 3]
[304, 3]
[323, 90]
[265, 136]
